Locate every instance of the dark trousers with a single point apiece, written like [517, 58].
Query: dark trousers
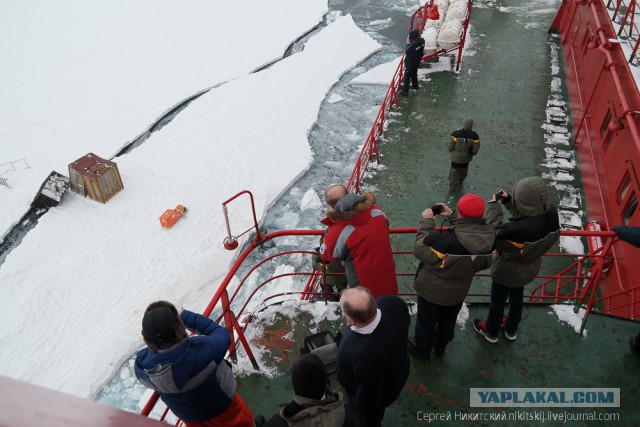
[499, 295]
[435, 325]
[410, 74]
[457, 174]
[374, 416]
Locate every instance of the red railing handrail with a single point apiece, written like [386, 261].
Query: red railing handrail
[629, 17]
[220, 298]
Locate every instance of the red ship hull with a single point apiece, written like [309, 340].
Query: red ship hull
[604, 104]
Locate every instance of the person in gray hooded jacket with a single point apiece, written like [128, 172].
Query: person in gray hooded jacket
[520, 244]
[448, 261]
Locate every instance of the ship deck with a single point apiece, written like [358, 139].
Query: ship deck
[547, 353]
[511, 84]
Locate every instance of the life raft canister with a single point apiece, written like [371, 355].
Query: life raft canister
[171, 216]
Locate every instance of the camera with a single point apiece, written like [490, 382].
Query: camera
[436, 209]
[502, 197]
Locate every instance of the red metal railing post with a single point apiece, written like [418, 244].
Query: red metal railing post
[231, 241]
[228, 319]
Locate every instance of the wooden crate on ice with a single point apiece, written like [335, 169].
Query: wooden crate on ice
[95, 177]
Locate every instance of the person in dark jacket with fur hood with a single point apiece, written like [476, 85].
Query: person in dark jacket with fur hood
[520, 243]
[358, 236]
[448, 261]
[412, 56]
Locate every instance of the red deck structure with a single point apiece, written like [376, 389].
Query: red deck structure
[605, 105]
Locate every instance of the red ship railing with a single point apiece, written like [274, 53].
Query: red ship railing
[575, 283]
[627, 23]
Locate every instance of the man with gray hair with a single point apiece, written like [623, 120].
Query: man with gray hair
[373, 360]
[463, 145]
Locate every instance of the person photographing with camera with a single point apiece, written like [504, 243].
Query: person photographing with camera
[520, 244]
[448, 260]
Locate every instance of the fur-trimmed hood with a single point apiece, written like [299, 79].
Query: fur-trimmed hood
[350, 206]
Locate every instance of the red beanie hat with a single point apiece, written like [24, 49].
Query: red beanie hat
[471, 206]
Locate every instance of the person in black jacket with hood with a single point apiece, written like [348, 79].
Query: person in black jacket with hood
[412, 56]
[520, 244]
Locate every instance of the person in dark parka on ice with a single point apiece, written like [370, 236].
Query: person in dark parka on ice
[520, 244]
[412, 56]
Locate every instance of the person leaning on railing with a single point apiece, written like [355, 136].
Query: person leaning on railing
[521, 242]
[190, 373]
[448, 260]
[358, 236]
[630, 235]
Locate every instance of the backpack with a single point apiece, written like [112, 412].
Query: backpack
[324, 345]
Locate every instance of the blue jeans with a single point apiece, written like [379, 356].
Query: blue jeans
[499, 295]
[435, 325]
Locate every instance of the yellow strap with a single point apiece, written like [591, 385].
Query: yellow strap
[519, 246]
[440, 255]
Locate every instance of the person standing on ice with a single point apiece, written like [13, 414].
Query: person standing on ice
[412, 56]
[521, 242]
[464, 144]
[190, 373]
[358, 236]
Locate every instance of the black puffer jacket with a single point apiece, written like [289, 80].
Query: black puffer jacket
[531, 232]
[414, 51]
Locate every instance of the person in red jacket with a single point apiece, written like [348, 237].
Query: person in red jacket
[358, 236]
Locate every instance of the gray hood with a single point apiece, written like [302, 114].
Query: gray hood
[529, 197]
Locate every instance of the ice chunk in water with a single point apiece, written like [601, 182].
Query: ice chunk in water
[310, 200]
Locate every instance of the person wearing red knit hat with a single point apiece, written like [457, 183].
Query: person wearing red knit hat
[470, 206]
[448, 260]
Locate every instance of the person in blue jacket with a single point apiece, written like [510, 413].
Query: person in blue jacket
[190, 373]
[412, 57]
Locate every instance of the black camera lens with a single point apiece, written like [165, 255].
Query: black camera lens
[436, 209]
